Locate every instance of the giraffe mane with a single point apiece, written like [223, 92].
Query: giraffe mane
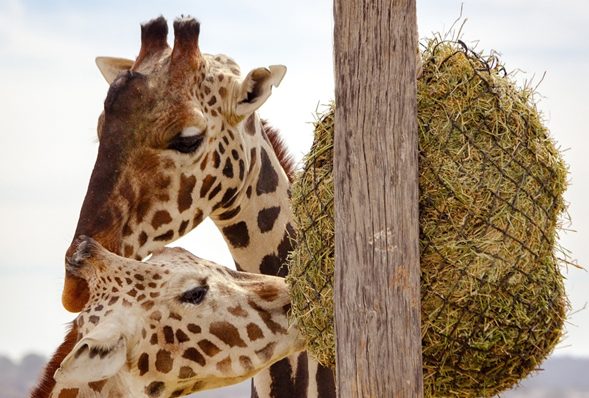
[47, 382]
[284, 156]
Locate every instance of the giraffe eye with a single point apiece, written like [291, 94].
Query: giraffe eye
[195, 295]
[187, 141]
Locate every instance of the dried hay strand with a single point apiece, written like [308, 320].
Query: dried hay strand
[491, 204]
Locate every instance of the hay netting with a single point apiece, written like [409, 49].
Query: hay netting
[491, 196]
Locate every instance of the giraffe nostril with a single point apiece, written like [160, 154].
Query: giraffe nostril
[80, 250]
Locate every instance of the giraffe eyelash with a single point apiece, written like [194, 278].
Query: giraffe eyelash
[186, 143]
[195, 295]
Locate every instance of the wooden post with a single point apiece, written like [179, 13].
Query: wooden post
[377, 300]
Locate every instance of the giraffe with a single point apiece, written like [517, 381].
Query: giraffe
[180, 140]
[170, 326]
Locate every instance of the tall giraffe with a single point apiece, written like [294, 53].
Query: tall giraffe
[180, 140]
[170, 326]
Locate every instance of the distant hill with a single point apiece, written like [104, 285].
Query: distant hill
[17, 379]
[561, 377]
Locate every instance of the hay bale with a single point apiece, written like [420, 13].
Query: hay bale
[491, 196]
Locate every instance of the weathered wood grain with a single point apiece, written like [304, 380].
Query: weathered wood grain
[377, 297]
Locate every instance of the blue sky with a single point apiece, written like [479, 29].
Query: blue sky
[51, 94]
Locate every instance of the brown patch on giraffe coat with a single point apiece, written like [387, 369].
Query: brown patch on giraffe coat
[181, 336]
[194, 355]
[237, 311]
[228, 168]
[182, 228]
[207, 182]
[177, 393]
[265, 353]
[156, 315]
[267, 217]
[229, 214]
[68, 393]
[193, 328]
[142, 208]
[275, 264]
[97, 386]
[266, 292]
[267, 319]
[153, 340]
[241, 169]
[163, 361]
[215, 191]
[128, 251]
[228, 198]
[325, 379]
[252, 159]
[169, 335]
[222, 91]
[161, 217]
[250, 124]
[203, 163]
[227, 333]
[254, 332]
[143, 363]
[216, 160]
[186, 372]
[246, 363]
[127, 230]
[197, 219]
[187, 184]
[208, 348]
[224, 366]
[155, 389]
[142, 238]
[237, 234]
[268, 178]
[166, 236]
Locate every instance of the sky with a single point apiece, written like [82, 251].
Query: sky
[51, 94]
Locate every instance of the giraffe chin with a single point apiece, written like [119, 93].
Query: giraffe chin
[75, 293]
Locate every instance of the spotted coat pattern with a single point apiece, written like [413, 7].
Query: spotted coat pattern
[180, 140]
[170, 326]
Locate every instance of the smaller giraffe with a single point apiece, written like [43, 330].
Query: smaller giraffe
[171, 326]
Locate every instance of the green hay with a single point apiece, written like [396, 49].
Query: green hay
[491, 196]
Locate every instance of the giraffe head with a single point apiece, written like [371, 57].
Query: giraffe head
[172, 325]
[174, 145]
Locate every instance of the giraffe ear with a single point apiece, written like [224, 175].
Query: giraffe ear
[110, 67]
[257, 87]
[97, 356]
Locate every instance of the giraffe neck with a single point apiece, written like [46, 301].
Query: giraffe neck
[259, 233]
[259, 239]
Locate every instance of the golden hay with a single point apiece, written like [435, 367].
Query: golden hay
[491, 196]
